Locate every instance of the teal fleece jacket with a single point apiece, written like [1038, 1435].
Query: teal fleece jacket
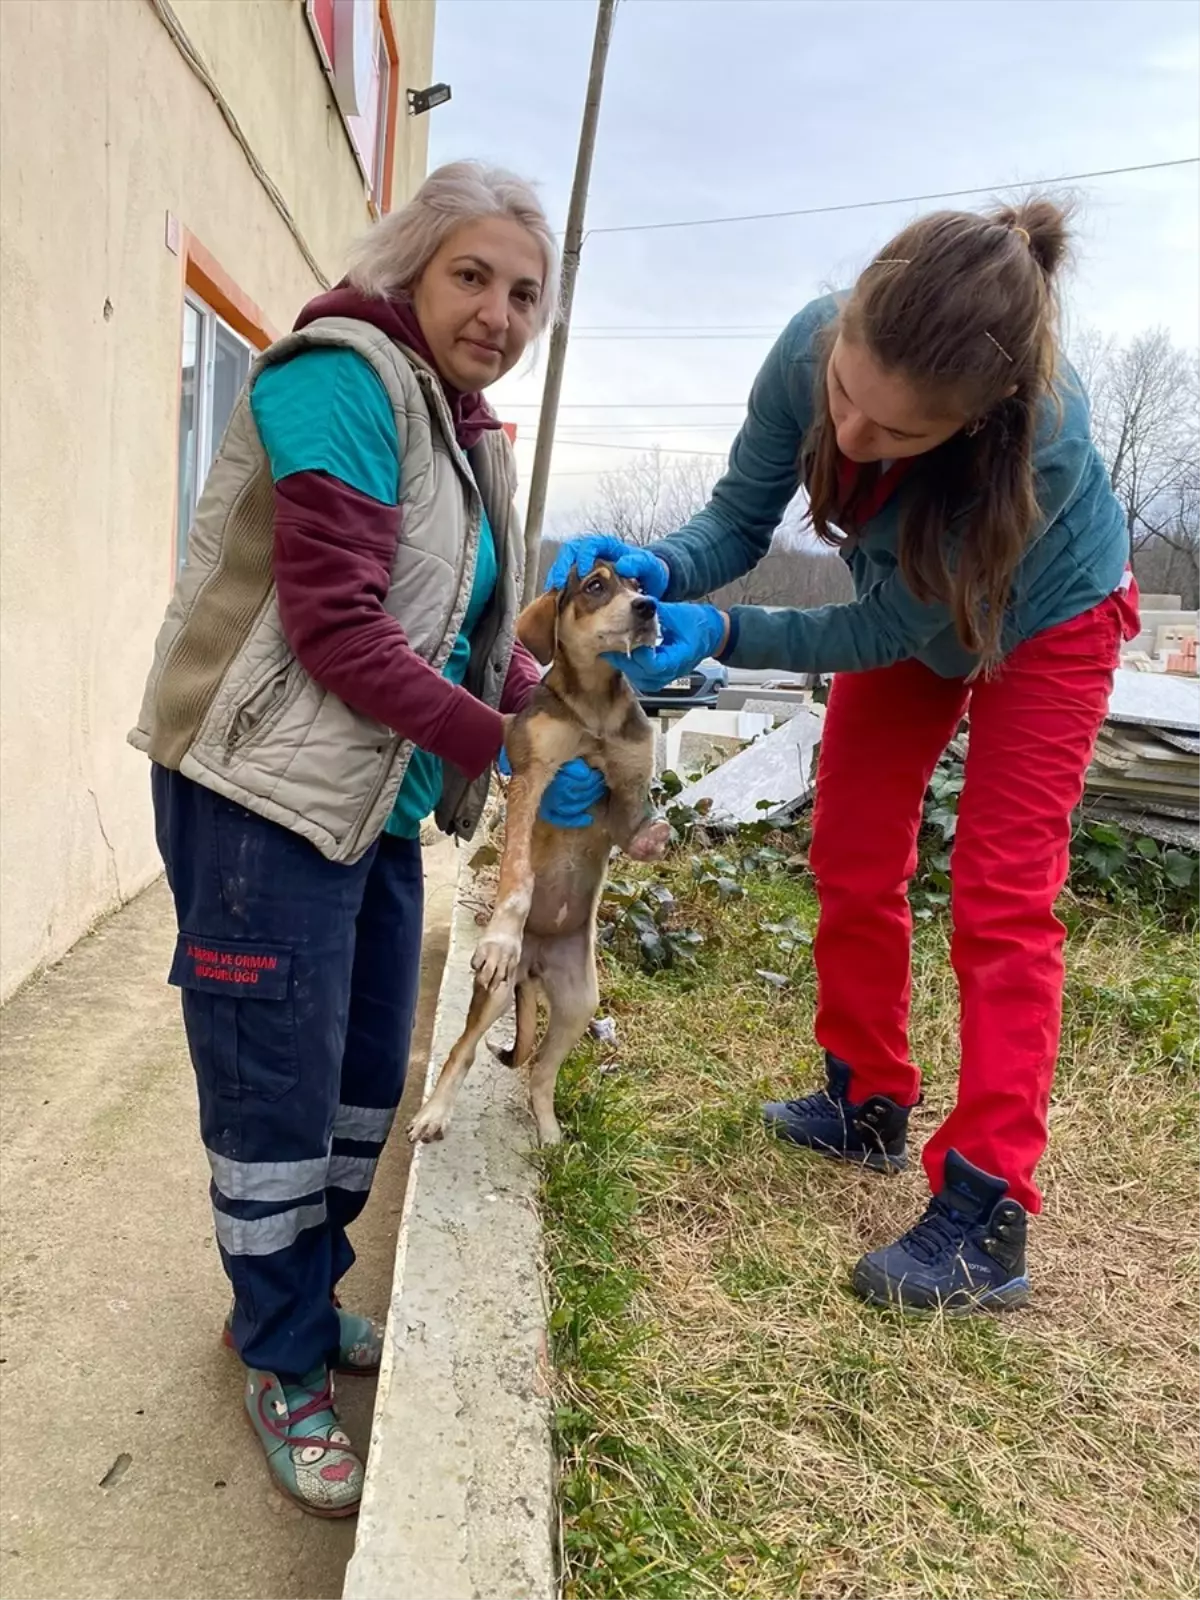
[1075, 560]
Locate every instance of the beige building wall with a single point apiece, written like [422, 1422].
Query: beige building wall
[105, 130]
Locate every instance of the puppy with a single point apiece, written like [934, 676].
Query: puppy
[542, 935]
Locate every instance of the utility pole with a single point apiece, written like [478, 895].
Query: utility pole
[572, 245]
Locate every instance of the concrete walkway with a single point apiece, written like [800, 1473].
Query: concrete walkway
[128, 1469]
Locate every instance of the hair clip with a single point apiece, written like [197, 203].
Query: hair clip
[999, 346]
[1023, 232]
[892, 261]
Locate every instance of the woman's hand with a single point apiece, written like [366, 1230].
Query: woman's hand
[571, 795]
[689, 634]
[649, 572]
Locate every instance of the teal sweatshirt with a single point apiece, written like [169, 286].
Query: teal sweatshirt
[327, 411]
[1076, 559]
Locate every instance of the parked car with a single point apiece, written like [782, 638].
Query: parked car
[700, 688]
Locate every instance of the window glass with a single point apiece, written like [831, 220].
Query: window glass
[189, 420]
[231, 367]
[213, 367]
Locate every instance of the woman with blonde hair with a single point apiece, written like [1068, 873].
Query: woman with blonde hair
[944, 446]
[336, 665]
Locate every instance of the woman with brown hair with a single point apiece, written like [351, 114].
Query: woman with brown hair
[945, 448]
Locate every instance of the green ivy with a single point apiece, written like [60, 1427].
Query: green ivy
[1117, 864]
[641, 919]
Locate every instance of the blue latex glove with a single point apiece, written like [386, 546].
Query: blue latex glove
[650, 573]
[689, 633]
[572, 792]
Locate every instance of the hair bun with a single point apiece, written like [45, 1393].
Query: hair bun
[1044, 223]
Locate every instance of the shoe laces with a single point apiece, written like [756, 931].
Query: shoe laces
[319, 1400]
[940, 1230]
[820, 1104]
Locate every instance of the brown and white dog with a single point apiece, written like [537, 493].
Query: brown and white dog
[542, 934]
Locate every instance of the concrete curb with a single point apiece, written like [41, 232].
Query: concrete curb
[459, 1498]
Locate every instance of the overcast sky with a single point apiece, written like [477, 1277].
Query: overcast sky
[714, 107]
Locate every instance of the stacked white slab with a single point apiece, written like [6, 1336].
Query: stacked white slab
[1146, 766]
[777, 769]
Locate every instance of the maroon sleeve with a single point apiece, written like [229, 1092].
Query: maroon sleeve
[333, 561]
[524, 675]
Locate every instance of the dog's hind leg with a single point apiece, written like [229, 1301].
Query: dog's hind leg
[487, 1005]
[572, 993]
[527, 1017]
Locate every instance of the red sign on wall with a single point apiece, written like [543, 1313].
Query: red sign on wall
[320, 17]
[359, 67]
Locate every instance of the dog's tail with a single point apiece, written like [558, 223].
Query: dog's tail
[527, 1012]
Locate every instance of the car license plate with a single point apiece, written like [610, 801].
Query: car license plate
[680, 683]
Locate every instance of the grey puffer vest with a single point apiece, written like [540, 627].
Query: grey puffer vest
[228, 704]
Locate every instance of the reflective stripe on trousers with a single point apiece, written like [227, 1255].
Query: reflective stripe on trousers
[298, 978]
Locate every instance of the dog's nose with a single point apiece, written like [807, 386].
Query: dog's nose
[643, 608]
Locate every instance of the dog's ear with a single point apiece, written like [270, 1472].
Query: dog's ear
[537, 627]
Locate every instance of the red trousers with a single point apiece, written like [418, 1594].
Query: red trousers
[1032, 729]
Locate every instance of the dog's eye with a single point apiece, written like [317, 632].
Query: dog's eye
[594, 586]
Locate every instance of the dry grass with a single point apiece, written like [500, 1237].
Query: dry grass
[734, 1422]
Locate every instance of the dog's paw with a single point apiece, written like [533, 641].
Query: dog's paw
[548, 1130]
[650, 843]
[429, 1123]
[496, 958]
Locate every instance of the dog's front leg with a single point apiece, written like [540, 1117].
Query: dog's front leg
[631, 821]
[634, 827]
[499, 951]
[537, 746]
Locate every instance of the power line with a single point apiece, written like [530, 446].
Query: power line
[579, 472]
[631, 405]
[642, 449]
[896, 200]
[668, 338]
[644, 427]
[677, 327]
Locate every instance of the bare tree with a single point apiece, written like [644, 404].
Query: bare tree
[650, 496]
[642, 500]
[655, 494]
[790, 575]
[1169, 563]
[1145, 399]
[1144, 402]
[1146, 420]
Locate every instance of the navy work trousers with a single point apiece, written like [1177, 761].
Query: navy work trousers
[299, 983]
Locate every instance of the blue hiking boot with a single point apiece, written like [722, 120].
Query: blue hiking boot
[967, 1253]
[872, 1134]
